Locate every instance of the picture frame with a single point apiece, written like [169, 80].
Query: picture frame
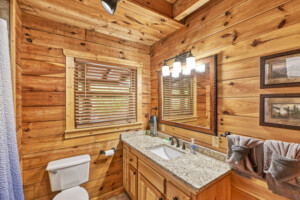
[280, 70]
[280, 110]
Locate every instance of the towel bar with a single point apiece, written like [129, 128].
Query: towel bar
[226, 134]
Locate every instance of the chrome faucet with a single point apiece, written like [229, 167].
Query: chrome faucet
[172, 141]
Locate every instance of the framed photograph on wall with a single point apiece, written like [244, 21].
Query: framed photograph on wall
[280, 110]
[280, 70]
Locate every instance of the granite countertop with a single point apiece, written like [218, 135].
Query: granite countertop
[195, 170]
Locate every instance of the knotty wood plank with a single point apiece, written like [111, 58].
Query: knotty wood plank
[38, 23]
[249, 126]
[57, 41]
[40, 84]
[40, 114]
[183, 8]
[255, 187]
[43, 99]
[43, 129]
[40, 159]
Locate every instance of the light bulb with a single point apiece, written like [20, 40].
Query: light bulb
[186, 71]
[177, 65]
[191, 61]
[166, 70]
[175, 74]
[200, 68]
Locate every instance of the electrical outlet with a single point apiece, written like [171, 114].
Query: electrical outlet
[163, 128]
[216, 141]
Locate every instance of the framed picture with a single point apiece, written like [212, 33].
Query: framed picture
[280, 70]
[280, 110]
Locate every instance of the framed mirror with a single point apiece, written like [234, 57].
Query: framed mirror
[190, 101]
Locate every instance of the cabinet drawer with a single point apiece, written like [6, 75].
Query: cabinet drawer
[132, 159]
[156, 179]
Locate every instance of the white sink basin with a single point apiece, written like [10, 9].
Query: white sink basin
[166, 152]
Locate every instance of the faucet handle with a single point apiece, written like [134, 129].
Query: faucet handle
[172, 142]
[183, 145]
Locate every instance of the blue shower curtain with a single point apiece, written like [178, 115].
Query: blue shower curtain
[10, 176]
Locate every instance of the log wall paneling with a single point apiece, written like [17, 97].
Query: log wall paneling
[137, 21]
[42, 52]
[239, 32]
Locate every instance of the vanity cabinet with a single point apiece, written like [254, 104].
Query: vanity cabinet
[173, 193]
[133, 182]
[147, 191]
[145, 180]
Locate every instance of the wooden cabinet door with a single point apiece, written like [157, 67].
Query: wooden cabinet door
[132, 182]
[173, 193]
[125, 168]
[146, 191]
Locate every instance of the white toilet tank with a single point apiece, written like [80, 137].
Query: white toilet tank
[68, 172]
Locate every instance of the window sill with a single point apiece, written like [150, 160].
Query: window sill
[101, 130]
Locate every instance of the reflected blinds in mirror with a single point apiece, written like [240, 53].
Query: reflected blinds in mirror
[178, 97]
[104, 94]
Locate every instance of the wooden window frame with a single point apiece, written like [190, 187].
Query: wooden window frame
[73, 132]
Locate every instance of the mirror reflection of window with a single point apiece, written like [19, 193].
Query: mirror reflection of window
[186, 99]
[189, 100]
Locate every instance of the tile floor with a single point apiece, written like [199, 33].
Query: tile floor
[120, 197]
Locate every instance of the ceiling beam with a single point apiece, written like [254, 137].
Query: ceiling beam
[183, 8]
[162, 7]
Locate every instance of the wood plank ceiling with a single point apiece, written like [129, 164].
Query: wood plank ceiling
[138, 21]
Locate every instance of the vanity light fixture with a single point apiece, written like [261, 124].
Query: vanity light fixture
[190, 61]
[165, 69]
[110, 5]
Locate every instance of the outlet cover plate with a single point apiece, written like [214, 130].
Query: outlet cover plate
[216, 141]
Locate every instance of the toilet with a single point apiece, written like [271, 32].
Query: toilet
[67, 174]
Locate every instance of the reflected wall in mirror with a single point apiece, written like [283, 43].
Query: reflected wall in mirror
[190, 101]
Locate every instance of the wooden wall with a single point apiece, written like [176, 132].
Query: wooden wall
[43, 99]
[239, 31]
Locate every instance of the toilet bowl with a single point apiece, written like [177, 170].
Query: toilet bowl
[67, 174]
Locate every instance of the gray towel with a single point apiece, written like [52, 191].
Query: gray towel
[10, 175]
[245, 156]
[239, 152]
[282, 168]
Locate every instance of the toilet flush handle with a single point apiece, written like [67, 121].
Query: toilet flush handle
[53, 172]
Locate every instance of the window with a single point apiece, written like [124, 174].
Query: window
[102, 96]
[105, 94]
[178, 97]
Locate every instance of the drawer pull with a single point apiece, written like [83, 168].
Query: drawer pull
[175, 198]
[134, 173]
[130, 159]
[160, 198]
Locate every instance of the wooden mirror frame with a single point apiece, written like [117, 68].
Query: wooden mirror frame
[213, 102]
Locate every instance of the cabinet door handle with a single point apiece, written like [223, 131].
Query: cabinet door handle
[175, 198]
[160, 198]
[134, 173]
[130, 159]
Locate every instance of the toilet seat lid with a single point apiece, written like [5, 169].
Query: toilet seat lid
[74, 193]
